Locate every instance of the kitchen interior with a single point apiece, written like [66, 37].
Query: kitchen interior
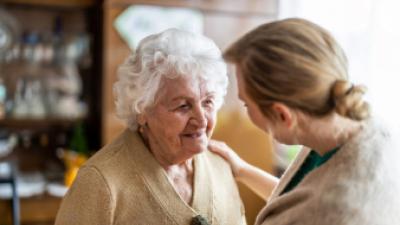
[58, 61]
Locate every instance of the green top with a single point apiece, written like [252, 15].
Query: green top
[313, 161]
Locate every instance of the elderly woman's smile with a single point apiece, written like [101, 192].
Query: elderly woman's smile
[181, 122]
[194, 135]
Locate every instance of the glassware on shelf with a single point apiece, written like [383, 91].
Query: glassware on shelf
[34, 100]
[9, 30]
[3, 95]
[45, 74]
[20, 107]
[29, 100]
[7, 142]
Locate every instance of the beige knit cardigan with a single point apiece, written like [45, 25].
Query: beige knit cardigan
[124, 184]
[359, 185]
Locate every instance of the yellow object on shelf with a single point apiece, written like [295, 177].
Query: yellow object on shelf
[73, 161]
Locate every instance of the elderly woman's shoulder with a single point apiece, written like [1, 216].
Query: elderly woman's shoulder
[108, 163]
[108, 154]
[216, 160]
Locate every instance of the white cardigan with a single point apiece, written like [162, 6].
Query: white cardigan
[359, 185]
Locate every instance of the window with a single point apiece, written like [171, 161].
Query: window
[369, 32]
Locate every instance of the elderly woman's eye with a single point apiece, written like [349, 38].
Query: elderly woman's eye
[209, 103]
[184, 107]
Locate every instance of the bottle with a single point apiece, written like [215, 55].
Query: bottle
[78, 141]
[76, 155]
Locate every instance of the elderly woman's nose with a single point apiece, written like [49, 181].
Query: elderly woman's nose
[199, 116]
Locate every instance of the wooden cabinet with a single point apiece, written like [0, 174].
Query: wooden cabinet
[224, 21]
[39, 21]
[39, 138]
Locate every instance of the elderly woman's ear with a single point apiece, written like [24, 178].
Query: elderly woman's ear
[142, 125]
[141, 119]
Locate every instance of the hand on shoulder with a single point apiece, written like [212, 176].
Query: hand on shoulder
[221, 148]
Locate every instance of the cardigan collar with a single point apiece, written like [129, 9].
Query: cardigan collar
[158, 183]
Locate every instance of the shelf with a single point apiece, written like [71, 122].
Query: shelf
[34, 210]
[237, 7]
[53, 3]
[19, 124]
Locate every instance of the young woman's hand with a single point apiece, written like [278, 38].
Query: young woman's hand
[237, 164]
[261, 182]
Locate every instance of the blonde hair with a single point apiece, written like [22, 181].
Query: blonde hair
[298, 63]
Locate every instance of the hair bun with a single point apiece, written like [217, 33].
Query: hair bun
[349, 100]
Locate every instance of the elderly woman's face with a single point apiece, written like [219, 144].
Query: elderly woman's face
[182, 120]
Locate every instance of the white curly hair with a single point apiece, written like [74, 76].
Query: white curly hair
[169, 54]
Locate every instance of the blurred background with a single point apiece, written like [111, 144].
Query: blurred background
[58, 61]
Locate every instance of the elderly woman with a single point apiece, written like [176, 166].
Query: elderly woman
[159, 171]
[292, 76]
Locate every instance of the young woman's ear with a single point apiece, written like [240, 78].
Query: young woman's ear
[284, 114]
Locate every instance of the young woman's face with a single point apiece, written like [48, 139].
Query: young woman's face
[279, 130]
[182, 120]
[253, 110]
